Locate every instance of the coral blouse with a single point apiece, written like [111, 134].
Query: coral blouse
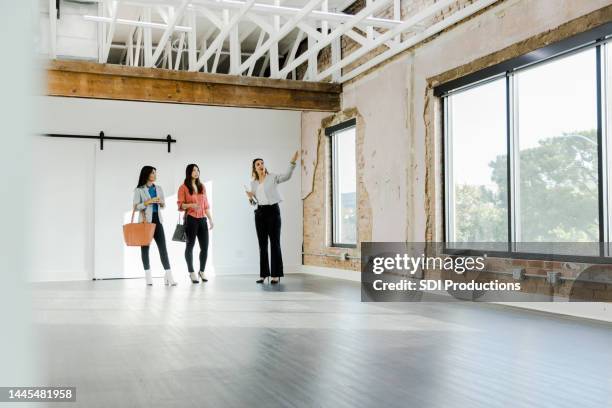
[185, 198]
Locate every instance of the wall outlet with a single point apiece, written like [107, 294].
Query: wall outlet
[518, 273]
[553, 277]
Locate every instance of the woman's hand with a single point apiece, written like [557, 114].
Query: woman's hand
[152, 201]
[211, 224]
[295, 157]
[250, 195]
[187, 206]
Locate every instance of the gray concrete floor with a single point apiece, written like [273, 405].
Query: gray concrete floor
[309, 342]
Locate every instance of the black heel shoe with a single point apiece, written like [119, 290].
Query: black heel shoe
[277, 281]
[202, 276]
[262, 280]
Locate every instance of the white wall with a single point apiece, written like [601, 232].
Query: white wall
[222, 141]
[76, 37]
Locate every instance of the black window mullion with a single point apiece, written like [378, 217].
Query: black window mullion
[600, 150]
[509, 156]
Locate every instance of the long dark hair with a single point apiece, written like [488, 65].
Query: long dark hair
[145, 172]
[253, 171]
[198, 183]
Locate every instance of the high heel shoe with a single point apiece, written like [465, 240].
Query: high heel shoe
[169, 279]
[277, 281]
[194, 277]
[201, 273]
[262, 280]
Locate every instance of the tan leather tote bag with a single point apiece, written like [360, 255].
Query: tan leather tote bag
[138, 234]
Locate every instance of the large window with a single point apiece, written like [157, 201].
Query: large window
[526, 151]
[477, 153]
[557, 169]
[344, 184]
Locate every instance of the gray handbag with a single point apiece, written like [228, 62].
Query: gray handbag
[180, 233]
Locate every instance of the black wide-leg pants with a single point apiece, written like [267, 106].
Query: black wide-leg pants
[268, 226]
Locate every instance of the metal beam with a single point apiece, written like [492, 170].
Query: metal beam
[148, 41]
[287, 27]
[179, 53]
[294, 49]
[123, 21]
[136, 60]
[418, 17]
[269, 9]
[192, 40]
[338, 31]
[168, 32]
[114, 7]
[224, 32]
[262, 33]
[432, 30]
[274, 46]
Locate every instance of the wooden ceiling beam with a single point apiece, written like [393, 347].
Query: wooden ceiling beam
[104, 81]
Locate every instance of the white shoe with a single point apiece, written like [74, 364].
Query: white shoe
[194, 277]
[148, 277]
[169, 279]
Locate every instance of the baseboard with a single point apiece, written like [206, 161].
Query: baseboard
[58, 276]
[330, 272]
[600, 311]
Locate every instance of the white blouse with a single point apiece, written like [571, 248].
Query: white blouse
[260, 194]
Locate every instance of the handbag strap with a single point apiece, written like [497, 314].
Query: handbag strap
[144, 218]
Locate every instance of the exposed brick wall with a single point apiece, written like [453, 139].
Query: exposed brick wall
[317, 214]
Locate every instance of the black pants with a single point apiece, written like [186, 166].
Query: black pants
[196, 227]
[160, 240]
[268, 225]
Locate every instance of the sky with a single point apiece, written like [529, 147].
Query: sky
[346, 160]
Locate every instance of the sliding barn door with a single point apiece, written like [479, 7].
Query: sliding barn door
[116, 174]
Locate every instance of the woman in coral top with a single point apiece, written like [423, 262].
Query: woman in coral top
[192, 199]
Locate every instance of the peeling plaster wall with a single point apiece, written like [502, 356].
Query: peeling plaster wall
[311, 125]
[397, 107]
[382, 102]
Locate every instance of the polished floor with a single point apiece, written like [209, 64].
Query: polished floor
[309, 342]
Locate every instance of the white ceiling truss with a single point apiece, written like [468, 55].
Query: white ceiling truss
[253, 37]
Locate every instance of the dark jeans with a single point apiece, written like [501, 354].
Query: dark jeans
[268, 226]
[160, 240]
[196, 227]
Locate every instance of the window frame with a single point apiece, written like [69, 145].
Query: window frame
[330, 132]
[599, 38]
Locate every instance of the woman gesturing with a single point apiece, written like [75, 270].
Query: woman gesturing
[264, 193]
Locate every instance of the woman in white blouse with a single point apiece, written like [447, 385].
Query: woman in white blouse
[264, 193]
